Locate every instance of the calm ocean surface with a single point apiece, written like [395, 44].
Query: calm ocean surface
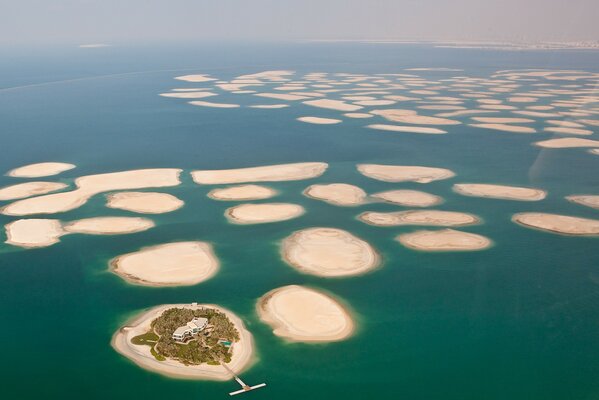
[518, 321]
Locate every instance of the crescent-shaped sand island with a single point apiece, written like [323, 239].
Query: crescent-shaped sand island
[418, 217]
[263, 213]
[88, 186]
[401, 173]
[144, 202]
[499, 191]
[40, 169]
[170, 264]
[339, 194]
[328, 252]
[213, 335]
[555, 223]
[242, 193]
[302, 314]
[444, 240]
[269, 173]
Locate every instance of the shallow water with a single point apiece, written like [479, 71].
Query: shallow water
[519, 320]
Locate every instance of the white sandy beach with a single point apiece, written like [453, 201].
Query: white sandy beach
[140, 354]
[339, 194]
[499, 191]
[444, 240]
[303, 314]
[170, 264]
[328, 252]
[144, 202]
[269, 173]
[403, 173]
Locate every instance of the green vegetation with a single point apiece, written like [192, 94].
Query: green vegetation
[199, 349]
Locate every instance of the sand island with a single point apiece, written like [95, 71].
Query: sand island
[339, 194]
[242, 193]
[263, 213]
[302, 314]
[586, 200]
[28, 189]
[558, 223]
[269, 173]
[144, 202]
[444, 240]
[400, 173]
[418, 217]
[170, 264]
[328, 252]
[409, 198]
[188, 341]
[40, 169]
[499, 191]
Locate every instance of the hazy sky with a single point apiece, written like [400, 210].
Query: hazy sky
[118, 21]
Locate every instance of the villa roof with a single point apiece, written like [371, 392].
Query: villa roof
[181, 330]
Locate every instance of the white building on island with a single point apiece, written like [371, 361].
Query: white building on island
[192, 328]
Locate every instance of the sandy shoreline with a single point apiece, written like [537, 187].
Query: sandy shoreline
[144, 202]
[242, 193]
[409, 198]
[418, 217]
[556, 223]
[400, 173]
[140, 354]
[29, 189]
[303, 314]
[268, 173]
[328, 252]
[170, 264]
[40, 169]
[585, 200]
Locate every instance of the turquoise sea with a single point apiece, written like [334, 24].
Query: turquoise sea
[518, 321]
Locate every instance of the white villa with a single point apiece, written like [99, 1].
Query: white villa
[195, 326]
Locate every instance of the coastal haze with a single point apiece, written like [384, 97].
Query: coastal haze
[326, 196]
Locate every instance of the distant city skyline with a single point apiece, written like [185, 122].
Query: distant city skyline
[111, 21]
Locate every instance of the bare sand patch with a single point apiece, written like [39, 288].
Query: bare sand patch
[28, 189]
[339, 194]
[302, 314]
[537, 114]
[32, 233]
[109, 225]
[40, 169]
[592, 122]
[142, 356]
[214, 105]
[558, 223]
[441, 107]
[195, 78]
[444, 240]
[407, 129]
[170, 264]
[282, 96]
[144, 202]
[585, 200]
[333, 105]
[403, 173]
[370, 103]
[567, 143]
[263, 213]
[499, 191]
[568, 131]
[319, 121]
[418, 217]
[88, 186]
[269, 173]
[328, 252]
[522, 99]
[563, 123]
[242, 192]
[465, 112]
[409, 198]
[270, 106]
[505, 128]
[424, 120]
